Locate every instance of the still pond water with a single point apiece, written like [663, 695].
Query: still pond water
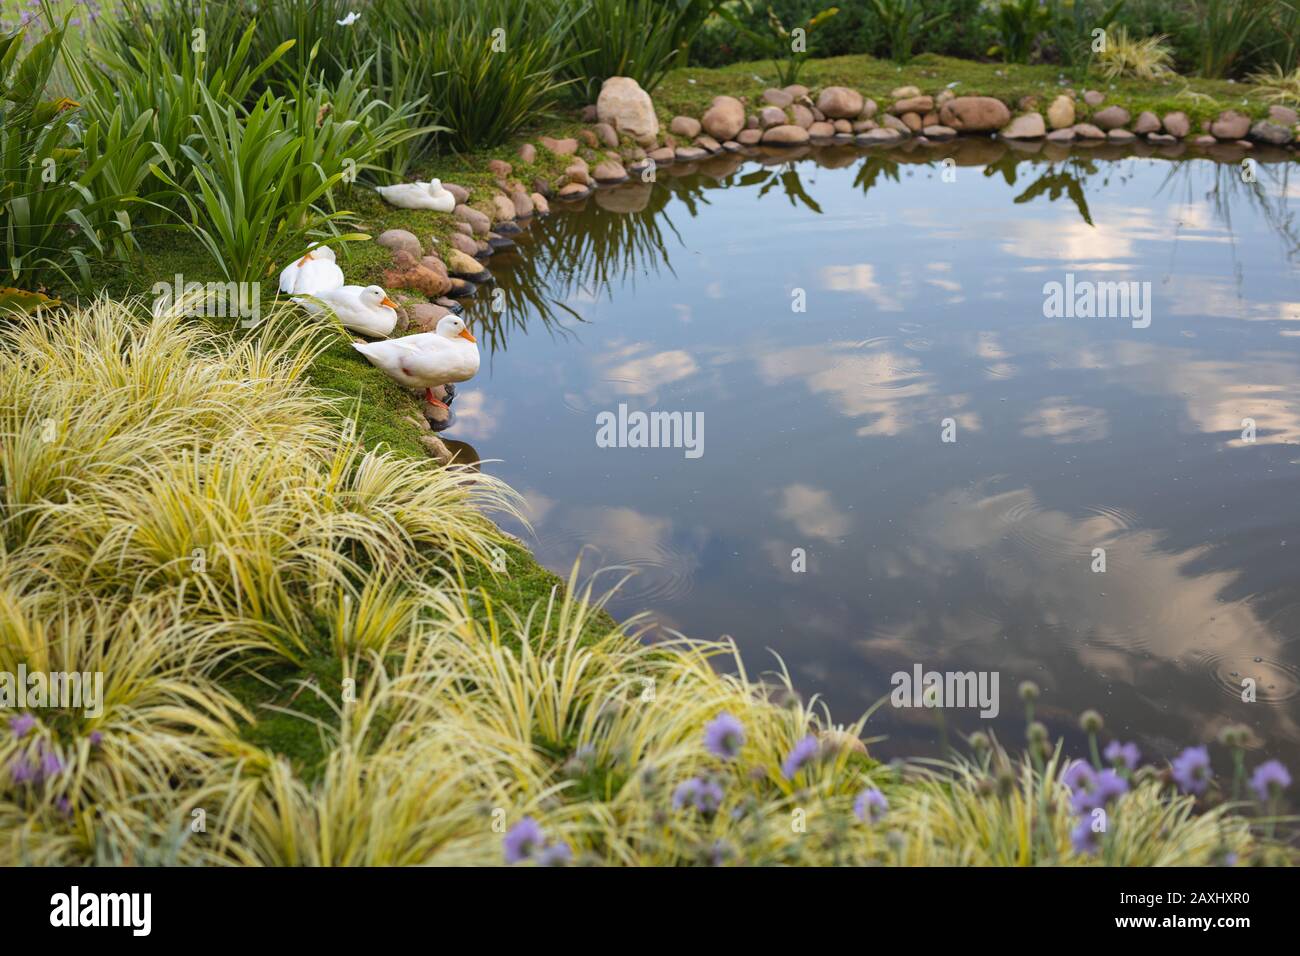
[823, 428]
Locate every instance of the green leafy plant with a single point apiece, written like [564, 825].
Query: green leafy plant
[642, 39]
[258, 192]
[1277, 86]
[1224, 28]
[903, 22]
[50, 216]
[787, 47]
[1073, 28]
[1017, 24]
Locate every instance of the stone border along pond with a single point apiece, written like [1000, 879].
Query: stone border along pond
[624, 142]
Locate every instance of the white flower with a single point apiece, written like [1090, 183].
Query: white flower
[350, 19]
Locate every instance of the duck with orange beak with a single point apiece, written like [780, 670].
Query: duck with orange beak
[365, 309]
[314, 273]
[428, 360]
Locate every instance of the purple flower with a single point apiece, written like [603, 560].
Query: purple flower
[1082, 837]
[870, 806]
[1192, 770]
[1080, 777]
[21, 724]
[724, 736]
[50, 764]
[555, 854]
[1127, 755]
[705, 796]
[96, 738]
[1269, 779]
[23, 770]
[523, 840]
[799, 756]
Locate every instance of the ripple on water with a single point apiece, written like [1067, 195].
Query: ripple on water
[1275, 681]
[658, 572]
[1058, 535]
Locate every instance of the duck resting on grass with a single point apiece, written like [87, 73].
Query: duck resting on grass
[428, 360]
[365, 309]
[430, 195]
[313, 273]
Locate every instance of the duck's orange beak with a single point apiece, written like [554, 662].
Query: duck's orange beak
[464, 334]
[303, 260]
[390, 303]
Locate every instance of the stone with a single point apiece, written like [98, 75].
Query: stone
[588, 138]
[523, 203]
[974, 114]
[939, 133]
[1230, 124]
[541, 185]
[503, 208]
[540, 206]
[1093, 98]
[1060, 113]
[803, 116]
[560, 147]
[786, 135]
[770, 116]
[822, 130]
[896, 124]
[1272, 133]
[1028, 103]
[463, 228]
[689, 154]
[913, 104]
[903, 92]
[572, 191]
[1204, 140]
[1146, 123]
[840, 102]
[724, 118]
[606, 134]
[1283, 115]
[499, 168]
[879, 137]
[578, 171]
[419, 278]
[610, 171]
[664, 154]
[1177, 124]
[749, 137]
[706, 142]
[685, 126]
[1088, 131]
[1121, 135]
[1061, 136]
[459, 193]
[868, 110]
[1112, 117]
[796, 90]
[1161, 139]
[862, 125]
[778, 98]
[911, 120]
[1025, 126]
[465, 266]
[464, 243]
[842, 126]
[477, 220]
[400, 240]
[589, 113]
[628, 108]
[434, 263]
[528, 153]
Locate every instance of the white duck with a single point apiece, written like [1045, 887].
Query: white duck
[429, 359]
[313, 273]
[365, 309]
[430, 195]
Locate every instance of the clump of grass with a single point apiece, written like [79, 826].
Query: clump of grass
[1122, 56]
[1278, 86]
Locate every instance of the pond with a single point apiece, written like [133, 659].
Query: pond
[910, 457]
